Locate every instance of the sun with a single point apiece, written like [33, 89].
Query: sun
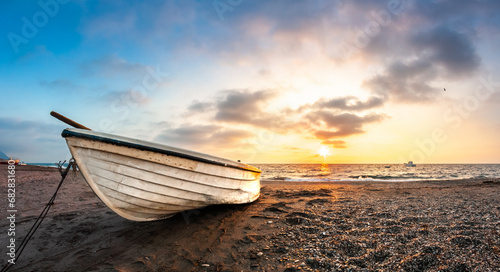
[324, 151]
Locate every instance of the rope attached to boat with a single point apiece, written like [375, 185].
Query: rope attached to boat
[42, 215]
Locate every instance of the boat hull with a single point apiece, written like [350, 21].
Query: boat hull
[143, 185]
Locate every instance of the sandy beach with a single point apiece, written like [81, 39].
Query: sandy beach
[341, 226]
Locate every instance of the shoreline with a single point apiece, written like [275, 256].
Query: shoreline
[306, 226]
[375, 181]
[32, 167]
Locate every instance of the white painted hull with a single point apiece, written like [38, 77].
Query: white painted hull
[143, 185]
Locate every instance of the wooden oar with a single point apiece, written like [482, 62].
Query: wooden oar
[68, 121]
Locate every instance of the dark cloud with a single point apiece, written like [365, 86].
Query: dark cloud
[242, 106]
[429, 41]
[340, 125]
[324, 119]
[248, 27]
[245, 107]
[448, 48]
[438, 53]
[468, 10]
[337, 118]
[395, 29]
[405, 82]
[199, 107]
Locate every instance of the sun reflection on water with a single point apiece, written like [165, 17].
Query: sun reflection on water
[325, 169]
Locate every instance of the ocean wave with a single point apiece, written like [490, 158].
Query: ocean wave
[315, 175]
[377, 172]
[386, 177]
[349, 179]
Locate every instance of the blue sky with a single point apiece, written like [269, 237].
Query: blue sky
[261, 81]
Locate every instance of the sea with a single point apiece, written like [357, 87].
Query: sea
[49, 164]
[369, 172]
[377, 172]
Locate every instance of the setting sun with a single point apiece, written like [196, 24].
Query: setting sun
[324, 151]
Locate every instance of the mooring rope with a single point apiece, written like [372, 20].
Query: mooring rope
[42, 215]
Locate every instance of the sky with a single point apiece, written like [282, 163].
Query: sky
[302, 81]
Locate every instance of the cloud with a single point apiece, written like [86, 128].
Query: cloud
[446, 47]
[335, 143]
[262, 30]
[129, 98]
[340, 125]
[349, 103]
[265, 28]
[439, 24]
[250, 108]
[325, 119]
[405, 82]
[251, 29]
[435, 54]
[242, 106]
[458, 9]
[245, 107]
[200, 107]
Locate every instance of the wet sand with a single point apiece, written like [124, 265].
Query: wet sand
[343, 226]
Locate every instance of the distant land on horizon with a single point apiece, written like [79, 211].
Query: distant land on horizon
[3, 156]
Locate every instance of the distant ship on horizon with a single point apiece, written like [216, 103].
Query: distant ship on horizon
[410, 164]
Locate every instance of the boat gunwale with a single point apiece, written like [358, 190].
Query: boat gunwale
[142, 145]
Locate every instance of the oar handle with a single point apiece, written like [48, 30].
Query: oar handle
[68, 121]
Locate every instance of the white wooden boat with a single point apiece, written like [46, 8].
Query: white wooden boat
[144, 181]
